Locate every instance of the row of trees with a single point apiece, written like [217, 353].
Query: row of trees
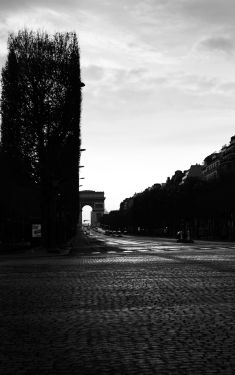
[40, 135]
[206, 208]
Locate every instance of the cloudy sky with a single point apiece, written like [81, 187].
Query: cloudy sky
[160, 83]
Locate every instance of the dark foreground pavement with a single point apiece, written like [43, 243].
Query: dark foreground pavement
[122, 313]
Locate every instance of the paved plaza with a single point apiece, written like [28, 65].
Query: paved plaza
[119, 306]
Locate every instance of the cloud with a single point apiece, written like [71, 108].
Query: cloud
[216, 12]
[197, 84]
[93, 73]
[122, 80]
[221, 44]
[227, 87]
[181, 13]
[7, 6]
[134, 84]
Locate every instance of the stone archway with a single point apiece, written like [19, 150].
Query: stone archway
[94, 199]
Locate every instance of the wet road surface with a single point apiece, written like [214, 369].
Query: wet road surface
[120, 306]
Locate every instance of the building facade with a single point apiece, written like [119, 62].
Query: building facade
[195, 171]
[211, 166]
[227, 159]
[220, 163]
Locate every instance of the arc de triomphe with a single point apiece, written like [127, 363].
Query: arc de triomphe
[94, 199]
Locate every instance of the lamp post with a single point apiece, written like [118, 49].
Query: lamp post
[80, 166]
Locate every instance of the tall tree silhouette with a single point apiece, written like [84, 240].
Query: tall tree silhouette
[41, 99]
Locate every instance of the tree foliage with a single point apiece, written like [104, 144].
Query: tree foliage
[41, 96]
[207, 208]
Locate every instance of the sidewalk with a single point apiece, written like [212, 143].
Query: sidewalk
[78, 243]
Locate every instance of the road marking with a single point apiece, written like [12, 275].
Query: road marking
[95, 252]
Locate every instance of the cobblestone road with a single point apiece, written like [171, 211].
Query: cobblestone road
[168, 312]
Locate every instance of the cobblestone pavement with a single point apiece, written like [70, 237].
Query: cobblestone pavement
[102, 310]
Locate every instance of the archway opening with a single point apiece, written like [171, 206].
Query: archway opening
[86, 216]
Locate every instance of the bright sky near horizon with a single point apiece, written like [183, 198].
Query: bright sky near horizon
[160, 83]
